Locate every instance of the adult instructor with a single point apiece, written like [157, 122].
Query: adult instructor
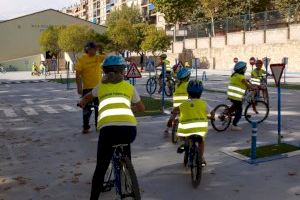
[88, 76]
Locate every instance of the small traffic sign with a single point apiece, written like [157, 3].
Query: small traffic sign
[235, 60]
[252, 61]
[133, 72]
[277, 70]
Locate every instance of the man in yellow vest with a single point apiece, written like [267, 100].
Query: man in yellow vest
[193, 116]
[88, 75]
[116, 120]
[236, 91]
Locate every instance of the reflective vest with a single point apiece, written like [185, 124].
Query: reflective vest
[256, 76]
[236, 89]
[180, 95]
[168, 65]
[115, 103]
[193, 118]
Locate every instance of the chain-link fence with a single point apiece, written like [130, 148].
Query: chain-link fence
[249, 22]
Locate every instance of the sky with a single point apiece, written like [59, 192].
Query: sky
[14, 8]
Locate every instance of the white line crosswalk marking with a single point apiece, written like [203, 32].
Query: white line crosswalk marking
[68, 108]
[9, 112]
[48, 109]
[28, 101]
[29, 111]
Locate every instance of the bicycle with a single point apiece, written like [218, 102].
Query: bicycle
[256, 110]
[121, 173]
[122, 176]
[193, 159]
[154, 81]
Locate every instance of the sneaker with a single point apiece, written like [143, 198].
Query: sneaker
[85, 131]
[180, 149]
[236, 128]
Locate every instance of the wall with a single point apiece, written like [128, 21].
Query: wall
[275, 44]
[20, 36]
[24, 64]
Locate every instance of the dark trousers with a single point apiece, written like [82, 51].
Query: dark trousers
[237, 107]
[108, 137]
[87, 111]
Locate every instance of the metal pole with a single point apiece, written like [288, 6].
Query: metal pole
[253, 140]
[279, 112]
[68, 75]
[163, 87]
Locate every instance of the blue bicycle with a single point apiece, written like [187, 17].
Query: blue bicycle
[121, 175]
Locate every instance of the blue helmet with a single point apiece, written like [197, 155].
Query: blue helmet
[114, 61]
[239, 66]
[183, 73]
[195, 86]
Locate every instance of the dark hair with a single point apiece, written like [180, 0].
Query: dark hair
[113, 75]
[183, 80]
[194, 95]
[242, 72]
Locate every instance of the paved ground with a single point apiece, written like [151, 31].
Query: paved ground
[43, 155]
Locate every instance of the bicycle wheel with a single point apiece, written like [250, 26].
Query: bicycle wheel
[257, 111]
[170, 87]
[151, 85]
[108, 180]
[195, 165]
[221, 120]
[174, 132]
[129, 182]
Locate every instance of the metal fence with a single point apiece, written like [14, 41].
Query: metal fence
[249, 22]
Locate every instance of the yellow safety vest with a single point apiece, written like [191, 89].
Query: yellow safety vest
[180, 95]
[193, 118]
[115, 103]
[236, 89]
[256, 76]
[168, 65]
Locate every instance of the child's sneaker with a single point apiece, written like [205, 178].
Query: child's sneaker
[180, 149]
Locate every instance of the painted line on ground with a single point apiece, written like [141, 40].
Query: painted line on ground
[28, 101]
[29, 111]
[68, 108]
[9, 112]
[48, 109]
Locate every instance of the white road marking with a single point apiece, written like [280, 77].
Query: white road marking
[28, 101]
[68, 108]
[48, 109]
[9, 112]
[29, 111]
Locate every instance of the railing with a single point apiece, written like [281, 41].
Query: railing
[252, 22]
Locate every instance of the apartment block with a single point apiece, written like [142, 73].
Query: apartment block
[79, 10]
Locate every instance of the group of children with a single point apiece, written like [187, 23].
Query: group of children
[117, 123]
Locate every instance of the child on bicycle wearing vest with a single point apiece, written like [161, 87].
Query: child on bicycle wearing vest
[193, 116]
[180, 95]
[116, 120]
[236, 91]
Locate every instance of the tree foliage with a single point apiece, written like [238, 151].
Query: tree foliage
[49, 39]
[285, 5]
[155, 41]
[130, 14]
[176, 10]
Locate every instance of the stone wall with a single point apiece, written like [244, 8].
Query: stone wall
[219, 51]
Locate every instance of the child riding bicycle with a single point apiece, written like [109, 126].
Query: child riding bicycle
[236, 91]
[180, 95]
[116, 120]
[258, 78]
[168, 69]
[193, 116]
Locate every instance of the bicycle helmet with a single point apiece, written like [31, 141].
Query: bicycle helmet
[259, 62]
[195, 87]
[163, 56]
[240, 66]
[89, 45]
[183, 73]
[114, 62]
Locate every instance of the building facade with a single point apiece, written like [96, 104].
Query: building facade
[97, 11]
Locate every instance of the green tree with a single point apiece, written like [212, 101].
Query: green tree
[155, 41]
[73, 38]
[130, 14]
[140, 34]
[122, 35]
[290, 8]
[49, 39]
